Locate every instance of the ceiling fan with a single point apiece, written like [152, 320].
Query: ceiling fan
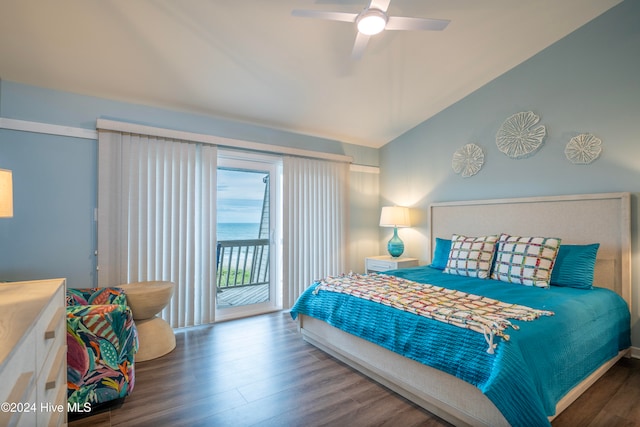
[372, 20]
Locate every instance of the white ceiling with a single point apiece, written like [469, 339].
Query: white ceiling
[251, 61]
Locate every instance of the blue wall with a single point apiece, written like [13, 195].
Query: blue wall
[587, 82]
[52, 233]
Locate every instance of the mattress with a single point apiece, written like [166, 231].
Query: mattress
[528, 374]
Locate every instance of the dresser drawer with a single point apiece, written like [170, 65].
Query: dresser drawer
[18, 380]
[384, 263]
[59, 419]
[377, 265]
[51, 381]
[22, 362]
[28, 418]
[51, 377]
[50, 327]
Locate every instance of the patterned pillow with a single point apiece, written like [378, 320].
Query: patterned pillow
[525, 260]
[471, 256]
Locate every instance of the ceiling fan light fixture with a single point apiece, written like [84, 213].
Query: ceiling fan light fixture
[371, 21]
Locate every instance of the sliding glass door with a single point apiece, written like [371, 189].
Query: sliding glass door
[248, 251]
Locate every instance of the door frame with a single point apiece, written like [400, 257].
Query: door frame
[235, 159]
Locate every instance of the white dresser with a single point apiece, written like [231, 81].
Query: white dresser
[33, 353]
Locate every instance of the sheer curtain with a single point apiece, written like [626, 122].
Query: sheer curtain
[157, 219]
[315, 217]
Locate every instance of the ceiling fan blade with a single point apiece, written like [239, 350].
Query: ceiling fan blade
[359, 46]
[382, 5]
[331, 16]
[416, 24]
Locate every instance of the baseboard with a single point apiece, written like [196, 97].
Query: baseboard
[635, 352]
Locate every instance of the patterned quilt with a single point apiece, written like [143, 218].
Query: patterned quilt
[481, 314]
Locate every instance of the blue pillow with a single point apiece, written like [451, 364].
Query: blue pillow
[441, 253]
[574, 266]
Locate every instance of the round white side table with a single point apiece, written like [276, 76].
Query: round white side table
[146, 300]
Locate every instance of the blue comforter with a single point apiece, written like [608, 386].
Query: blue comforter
[527, 375]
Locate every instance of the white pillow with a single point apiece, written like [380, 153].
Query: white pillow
[525, 260]
[471, 256]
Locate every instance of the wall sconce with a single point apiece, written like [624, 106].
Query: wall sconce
[395, 216]
[6, 193]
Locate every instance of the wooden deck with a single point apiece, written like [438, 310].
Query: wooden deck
[245, 295]
[243, 272]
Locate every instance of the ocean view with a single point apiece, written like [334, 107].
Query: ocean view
[237, 230]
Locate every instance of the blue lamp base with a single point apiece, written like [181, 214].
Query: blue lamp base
[395, 245]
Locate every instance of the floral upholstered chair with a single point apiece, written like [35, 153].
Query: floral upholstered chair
[101, 344]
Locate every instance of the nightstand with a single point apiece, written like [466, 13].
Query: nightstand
[386, 262]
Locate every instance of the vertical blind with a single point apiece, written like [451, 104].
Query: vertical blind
[315, 204]
[157, 219]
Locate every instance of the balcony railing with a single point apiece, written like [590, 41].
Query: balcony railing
[242, 263]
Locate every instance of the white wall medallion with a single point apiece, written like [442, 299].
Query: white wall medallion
[583, 149]
[518, 137]
[468, 160]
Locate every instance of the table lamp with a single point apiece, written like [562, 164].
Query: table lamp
[395, 216]
[6, 193]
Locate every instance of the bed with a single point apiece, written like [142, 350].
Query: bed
[470, 390]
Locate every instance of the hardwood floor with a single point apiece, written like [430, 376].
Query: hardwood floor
[259, 372]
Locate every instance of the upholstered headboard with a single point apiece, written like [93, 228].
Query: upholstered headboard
[578, 219]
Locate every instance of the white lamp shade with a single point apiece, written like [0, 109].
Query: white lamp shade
[6, 193]
[395, 216]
